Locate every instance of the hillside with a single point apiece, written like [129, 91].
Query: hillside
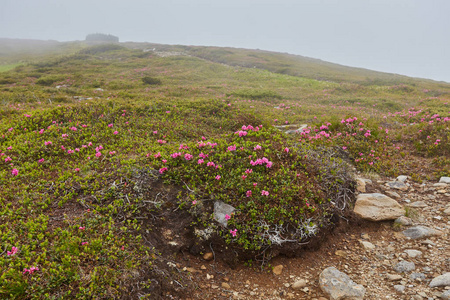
[127, 167]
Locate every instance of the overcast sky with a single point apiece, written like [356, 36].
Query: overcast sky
[410, 37]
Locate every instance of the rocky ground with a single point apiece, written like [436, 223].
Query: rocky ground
[385, 257]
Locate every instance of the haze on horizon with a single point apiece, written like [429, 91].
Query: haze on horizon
[408, 37]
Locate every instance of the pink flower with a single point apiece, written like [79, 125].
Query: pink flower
[77, 169]
[248, 193]
[110, 125]
[210, 164]
[12, 252]
[286, 150]
[15, 172]
[112, 152]
[227, 217]
[255, 184]
[244, 176]
[257, 147]
[8, 159]
[41, 160]
[115, 132]
[200, 161]
[84, 243]
[233, 232]
[248, 171]
[194, 202]
[82, 228]
[98, 154]
[162, 170]
[218, 177]
[265, 193]
[231, 148]
[188, 156]
[155, 132]
[47, 143]
[344, 148]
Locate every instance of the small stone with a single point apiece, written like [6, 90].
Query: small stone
[341, 253]
[191, 270]
[209, 276]
[367, 245]
[208, 256]
[339, 286]
[394, 277]
[402, 178]
[213, 286]
[418, 204]
[442, 280]
[404, 221]
[444, 180]
[440, 185]
[413, 253]
[360, 185]
[399, 185]
[277, 270]
[415, 276]
[299, 284]
[287, 285]
[418, 232]
[203, 267]
[445, 295]
[399, 288]
[404, 266]
[447, 211]
[393, 194]
[226, 285]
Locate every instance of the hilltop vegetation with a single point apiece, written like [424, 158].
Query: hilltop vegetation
[113, 159]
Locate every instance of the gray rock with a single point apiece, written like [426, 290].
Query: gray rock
[394, 277]
[404, 266]
[393, 194]
[440, 185]
[399, 288]
[377, 207]
[442, 280]
[299, 284]
[402, 178]
[367, 245]
[222, 209]
[413, 253]
[447, 211]
[444, 180]
[419, 232]
[415, 276]
[399, 185]
[338, 285]
[445, 295]
[404, 221]
[418, 204]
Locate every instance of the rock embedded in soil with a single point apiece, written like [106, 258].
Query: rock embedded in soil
[445, 295]
[208, 256]
[399, 288]
[442, 280]
[419, 232]
[221, 209]
[377, 207]
[338, 285]
[402, 178]
[299, 284]
[413, 253]
[404, 221]
[444, 180]
[399, 185]
[277, 270]
[418, 204]
[360, 185]
[404, 266]
[393, 194]
[394, 277]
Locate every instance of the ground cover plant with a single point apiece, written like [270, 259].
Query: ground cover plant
[104, 150]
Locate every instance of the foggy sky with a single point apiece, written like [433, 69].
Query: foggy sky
[408, 37]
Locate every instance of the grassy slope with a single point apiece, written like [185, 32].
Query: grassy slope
[92, 223]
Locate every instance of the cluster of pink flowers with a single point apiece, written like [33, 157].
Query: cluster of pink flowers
[175, 155]
[185, 147]
[264, 193]
[162, 170]
[13, 251]
[30, 270]
[231, 148]
[233, 232]
[15, 172]
[241, 133]
[257, 147]
[162, 141]
[188, 156]
[261, 161]
[47, 143]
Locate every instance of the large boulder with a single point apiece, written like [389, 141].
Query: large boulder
[338, 285]
[377, 207]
